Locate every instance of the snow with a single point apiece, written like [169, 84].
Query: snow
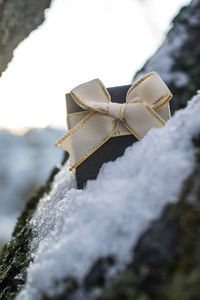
[25, 164]
[75, 227]
[166, 55]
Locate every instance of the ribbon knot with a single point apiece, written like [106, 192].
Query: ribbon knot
[93, 118]
[116, 110]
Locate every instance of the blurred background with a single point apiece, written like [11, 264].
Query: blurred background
[78, 41]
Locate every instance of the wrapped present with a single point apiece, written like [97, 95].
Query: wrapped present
[103, 122]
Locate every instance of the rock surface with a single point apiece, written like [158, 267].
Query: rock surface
[17, 19]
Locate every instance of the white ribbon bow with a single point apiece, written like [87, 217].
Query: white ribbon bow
[93, 119]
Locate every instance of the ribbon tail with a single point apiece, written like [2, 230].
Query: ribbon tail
[87, 136]
[164, 112]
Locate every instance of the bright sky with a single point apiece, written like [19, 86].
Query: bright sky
[80, 40]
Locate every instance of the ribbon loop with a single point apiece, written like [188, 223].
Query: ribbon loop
[95, 119]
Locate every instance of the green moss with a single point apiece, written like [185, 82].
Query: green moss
[14, 258]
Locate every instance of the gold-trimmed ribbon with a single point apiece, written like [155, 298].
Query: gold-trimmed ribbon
[93, 119]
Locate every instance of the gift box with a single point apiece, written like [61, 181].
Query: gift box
[103, 122]
[109, 151]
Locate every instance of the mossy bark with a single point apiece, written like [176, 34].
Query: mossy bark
[18, 19]
[14, 258]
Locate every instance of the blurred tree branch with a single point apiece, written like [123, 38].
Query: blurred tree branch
[17, 19]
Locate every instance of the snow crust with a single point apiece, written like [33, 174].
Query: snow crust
[25, 164]
[75, 227]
